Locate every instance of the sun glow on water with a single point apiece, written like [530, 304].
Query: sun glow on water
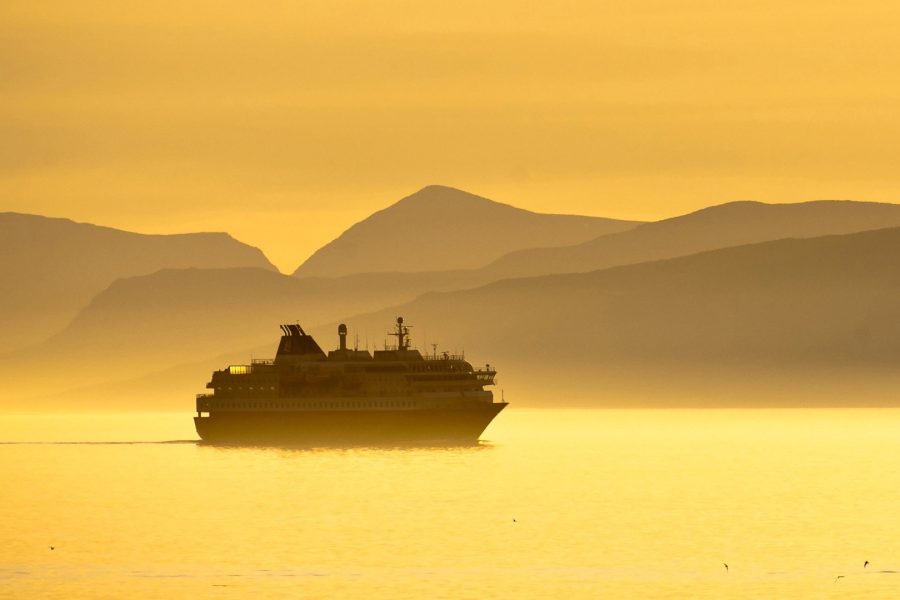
[575, 503]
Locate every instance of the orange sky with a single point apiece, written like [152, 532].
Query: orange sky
[284, 122]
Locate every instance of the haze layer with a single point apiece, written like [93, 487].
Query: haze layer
[279, 123]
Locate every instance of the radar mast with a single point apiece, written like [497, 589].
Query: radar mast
[402, 335]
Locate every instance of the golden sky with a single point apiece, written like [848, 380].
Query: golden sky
[285, 122]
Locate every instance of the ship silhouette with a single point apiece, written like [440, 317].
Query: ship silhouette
[304, 396]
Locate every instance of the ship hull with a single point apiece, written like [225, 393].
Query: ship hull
[348, 427]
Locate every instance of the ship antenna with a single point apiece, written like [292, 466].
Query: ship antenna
[434, 347]
[402, 334]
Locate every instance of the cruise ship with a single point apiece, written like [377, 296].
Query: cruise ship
[348, 396]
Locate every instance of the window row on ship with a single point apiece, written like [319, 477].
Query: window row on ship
[369, 390]
[309, 405]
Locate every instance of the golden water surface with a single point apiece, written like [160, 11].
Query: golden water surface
[553, 504]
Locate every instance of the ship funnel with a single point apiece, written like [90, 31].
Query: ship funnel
[342, 334]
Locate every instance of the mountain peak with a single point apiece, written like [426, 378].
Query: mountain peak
[441, 228]
[442, 196]
[434, 189]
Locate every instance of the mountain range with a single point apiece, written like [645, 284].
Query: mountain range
[731, 224]
[440, 228]
[673, 311]
[805, 310]
[51, 268]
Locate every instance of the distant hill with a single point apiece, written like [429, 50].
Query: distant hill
[800, 319]
[50, 268]
[440, 228]
[731, 224]
[185, 314]
[151, 322]
[792, 322]
[702, 329]
[146, 323]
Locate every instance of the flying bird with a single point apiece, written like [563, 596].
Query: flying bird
[52, 548]
[865, 564]
[838, 577]
[726, 567]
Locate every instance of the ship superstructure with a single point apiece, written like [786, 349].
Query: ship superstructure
[304, 395]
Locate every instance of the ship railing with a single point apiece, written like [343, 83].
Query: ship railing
[445, 356]
[262, 361]
[437, 356]
[486, 373]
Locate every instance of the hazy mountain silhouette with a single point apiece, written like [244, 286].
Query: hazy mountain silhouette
[797, 318]
[164, 389]
[150, 322]
[50, 268]
[145, 323]
[220, 308]
[441, 228]
[792, 313]
[732, 224]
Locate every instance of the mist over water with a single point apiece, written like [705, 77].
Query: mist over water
[552, 503]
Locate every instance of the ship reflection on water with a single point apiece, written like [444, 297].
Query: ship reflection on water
[413, 446]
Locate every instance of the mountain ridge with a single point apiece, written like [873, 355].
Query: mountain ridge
[712, 328]
[50, 267]
[729, 224]
[443, 228]
[757, 319]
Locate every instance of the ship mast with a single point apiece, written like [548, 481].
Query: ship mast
[402, 335]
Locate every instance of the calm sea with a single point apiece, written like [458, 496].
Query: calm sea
[552, 504]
